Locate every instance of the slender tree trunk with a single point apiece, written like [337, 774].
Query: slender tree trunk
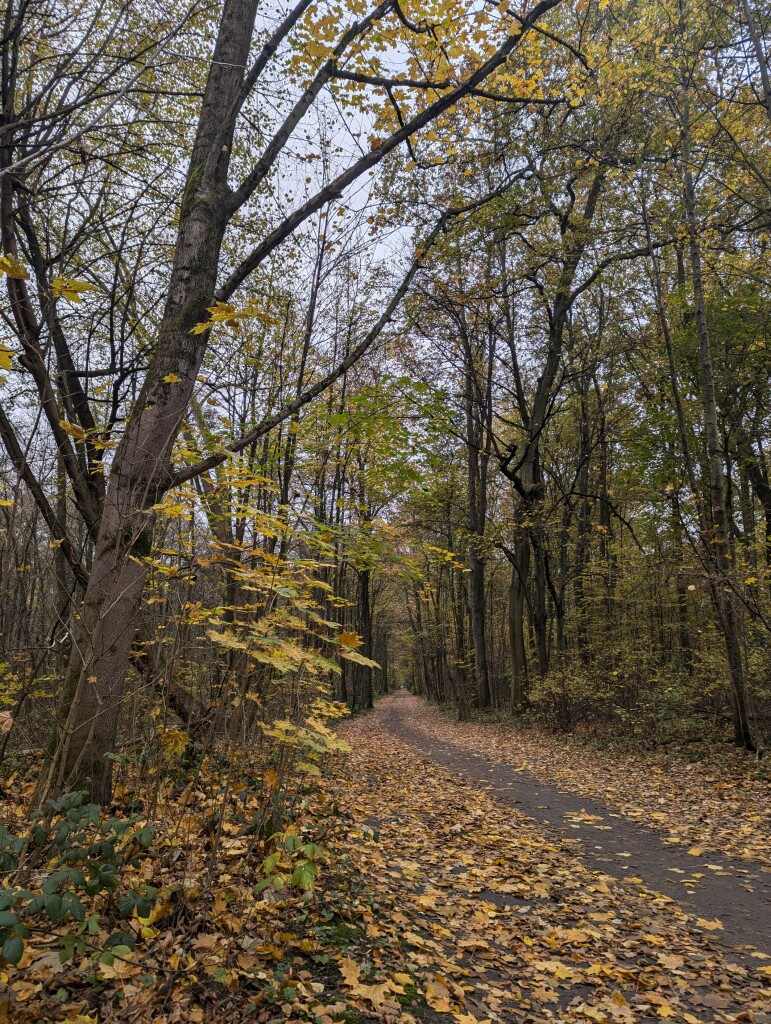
[540, 616]
[476, 593]
[477, 515]
[362, 674]
[520, 571]
[722, 595]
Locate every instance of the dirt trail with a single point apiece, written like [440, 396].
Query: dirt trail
[711, 887]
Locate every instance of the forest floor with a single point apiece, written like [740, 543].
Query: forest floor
[525, 902]
[474, 873]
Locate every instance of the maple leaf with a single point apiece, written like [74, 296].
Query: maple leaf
[438, 996]
[67, 288]
[350, 970]
[10, 266]
[346, 639]
[73, 430]
[711, 926]
[359, 659]
[174, 742]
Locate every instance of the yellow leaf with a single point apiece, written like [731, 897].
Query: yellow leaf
[66, 288]
[174, 742]
[11, 267]
[349, 639]
[6, 355]
[711, 926]
[359, 659]
[375, 994]
[350, 971]
[171, 378]
[73, 430]
[406, 979]
[5, 503]
[438, 997]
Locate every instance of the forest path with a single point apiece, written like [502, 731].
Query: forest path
[717, 890]
[502, 915]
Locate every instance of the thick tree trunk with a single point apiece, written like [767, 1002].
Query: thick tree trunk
[96, 678]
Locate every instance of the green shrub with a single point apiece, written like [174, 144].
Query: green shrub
[85, 858]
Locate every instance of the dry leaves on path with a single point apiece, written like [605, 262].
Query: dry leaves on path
[435, 902]
[718, 803]
[497, 923]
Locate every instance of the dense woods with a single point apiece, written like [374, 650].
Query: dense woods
[350, 347]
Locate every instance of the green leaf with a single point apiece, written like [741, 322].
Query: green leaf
[145, 836]
[359, 659]
[304, 875]
[121, 940]
[13, 949]
[54, 907]
[265, 884]
[270, 863]
[126, 905]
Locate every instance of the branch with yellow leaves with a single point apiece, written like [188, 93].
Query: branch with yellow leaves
[335, 188]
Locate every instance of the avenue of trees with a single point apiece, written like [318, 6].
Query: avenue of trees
[360, 345]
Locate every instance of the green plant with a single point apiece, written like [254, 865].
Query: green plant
[86, 857]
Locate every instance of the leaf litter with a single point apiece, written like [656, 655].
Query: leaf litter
[500, 924]
[432, 902]
[718, 803]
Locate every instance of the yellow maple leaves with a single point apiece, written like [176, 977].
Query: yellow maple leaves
[75, 431]
[227, 314]
[61, 287]
[379, 994]
[70, 289]
[10, 267]
[346, 639]
[174, 742]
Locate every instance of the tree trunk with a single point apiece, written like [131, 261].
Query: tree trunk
[540, 618]
[362, 674]
[95, 683]
[520, 571]
[476, 593]
[722, 595]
